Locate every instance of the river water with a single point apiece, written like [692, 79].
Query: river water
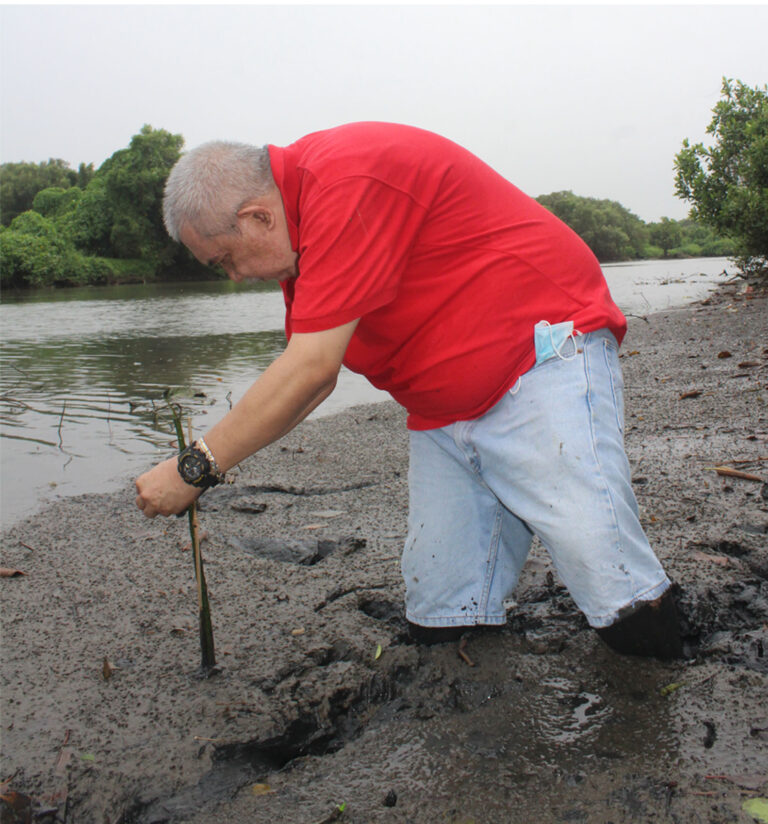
[84, 372]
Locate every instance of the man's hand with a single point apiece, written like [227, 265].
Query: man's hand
[161, 491]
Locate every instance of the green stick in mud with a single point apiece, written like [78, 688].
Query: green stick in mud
[204, 608]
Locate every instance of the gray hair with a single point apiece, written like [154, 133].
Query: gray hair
[208, 186]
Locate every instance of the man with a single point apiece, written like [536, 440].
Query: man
[409, 260]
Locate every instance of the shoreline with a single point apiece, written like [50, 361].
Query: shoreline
[302, 561]
[86, 460]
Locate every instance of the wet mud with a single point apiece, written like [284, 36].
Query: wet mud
[322, 699]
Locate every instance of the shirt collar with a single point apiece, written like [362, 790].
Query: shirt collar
[286, 178]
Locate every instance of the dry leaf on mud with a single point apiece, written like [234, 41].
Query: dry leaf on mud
[6, 572]
[107, 669]
[694, 393]
[748, 364]
[724, 354]
[757, 808]
[261, 789]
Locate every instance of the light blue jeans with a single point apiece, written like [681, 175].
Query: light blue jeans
[547, 460]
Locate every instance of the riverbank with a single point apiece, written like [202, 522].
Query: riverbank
[83, 377]
[321, 701]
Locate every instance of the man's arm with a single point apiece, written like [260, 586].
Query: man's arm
[284, 394]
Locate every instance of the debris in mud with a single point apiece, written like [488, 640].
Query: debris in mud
[249, 505]
[15, 808]
[757, 808]
[301, 551]
[107, 669]
[728, 472]
[334, 816]
[462, 652]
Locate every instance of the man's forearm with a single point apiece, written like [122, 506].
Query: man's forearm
[301, 378]
[285, 393]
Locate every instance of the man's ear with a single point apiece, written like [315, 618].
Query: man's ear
[256, 209]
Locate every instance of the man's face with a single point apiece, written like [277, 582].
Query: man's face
[259, 250]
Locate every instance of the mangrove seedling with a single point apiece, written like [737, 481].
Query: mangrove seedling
[204, 608]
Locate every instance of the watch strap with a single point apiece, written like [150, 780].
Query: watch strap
[213, 466]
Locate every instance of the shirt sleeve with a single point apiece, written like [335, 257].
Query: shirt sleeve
[355, 238]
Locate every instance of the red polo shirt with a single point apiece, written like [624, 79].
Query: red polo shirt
[447, 265]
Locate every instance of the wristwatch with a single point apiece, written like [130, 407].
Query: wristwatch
[198, 467]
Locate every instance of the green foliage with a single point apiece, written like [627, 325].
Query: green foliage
[134, 179]
[611, 231]
[20, 182]
[686, 238]
[55, 201]
[33, 252]
[727, 182]
[666, 234]
[88, 227]
[112, 231]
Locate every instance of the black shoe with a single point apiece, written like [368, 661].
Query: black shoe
[651, 629]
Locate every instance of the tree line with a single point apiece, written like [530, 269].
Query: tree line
[106, 226]
[66, 227]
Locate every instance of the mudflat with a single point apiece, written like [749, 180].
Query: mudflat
[322, 702]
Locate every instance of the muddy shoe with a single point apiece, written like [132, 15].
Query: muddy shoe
[651, 629]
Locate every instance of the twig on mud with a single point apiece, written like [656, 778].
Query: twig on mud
[6, 782]
[463, 655]
[728, 472]
[27, 546]
[61, 421]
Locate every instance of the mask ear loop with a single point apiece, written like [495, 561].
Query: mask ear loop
[556, 350]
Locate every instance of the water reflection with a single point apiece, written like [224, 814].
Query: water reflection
[122, 380]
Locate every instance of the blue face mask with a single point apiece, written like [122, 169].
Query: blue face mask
[549, 340]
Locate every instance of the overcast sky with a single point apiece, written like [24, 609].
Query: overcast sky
[596, 99]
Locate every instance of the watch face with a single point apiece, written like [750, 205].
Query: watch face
[192, 467]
